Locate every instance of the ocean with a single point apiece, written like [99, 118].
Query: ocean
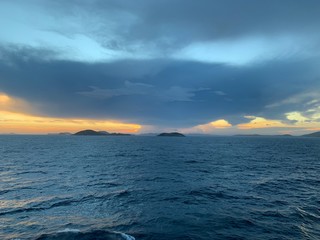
[159, 188]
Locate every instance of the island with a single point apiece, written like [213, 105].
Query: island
[61, 133]
[64, 133]
[315, 134]
[172, 134]
[90, 132]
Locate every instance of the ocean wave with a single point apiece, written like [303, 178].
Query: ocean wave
[72, 234]
[209, 193]
[60, 202]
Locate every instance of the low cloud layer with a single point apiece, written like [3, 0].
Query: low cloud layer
[177, 93]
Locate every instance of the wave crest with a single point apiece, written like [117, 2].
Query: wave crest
[75, 234]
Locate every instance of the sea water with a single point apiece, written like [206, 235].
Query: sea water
[99, 187]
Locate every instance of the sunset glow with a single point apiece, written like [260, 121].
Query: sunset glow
[259, 122]
[19, 116]
[159, 119]
[28, 124]
[221, 123]
[124, 64]
[14, 121]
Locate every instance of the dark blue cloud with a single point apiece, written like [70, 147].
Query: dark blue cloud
[175, 23]
[137, 70]
[158, 92]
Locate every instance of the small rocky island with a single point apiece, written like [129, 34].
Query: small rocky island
[172, 134]
[315, 134]
[90, 132]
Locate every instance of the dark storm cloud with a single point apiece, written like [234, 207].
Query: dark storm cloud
[137, 71]
[175, 93]
[174, 23]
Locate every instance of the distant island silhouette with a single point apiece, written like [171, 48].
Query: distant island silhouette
[315, 134]
[172, 134]
[90, 132]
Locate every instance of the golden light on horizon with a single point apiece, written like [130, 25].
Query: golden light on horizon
[19, 116]
[313, 129]
[260, 122]
[209, 127]
[300, 122]
[12, 104]
[14, 120]
[28, 124]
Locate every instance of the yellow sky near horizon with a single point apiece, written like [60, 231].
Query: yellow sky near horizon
[16, 117]
[28, 124]
[300, 121]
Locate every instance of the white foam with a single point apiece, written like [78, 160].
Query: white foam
[127, 237]
[69, 230]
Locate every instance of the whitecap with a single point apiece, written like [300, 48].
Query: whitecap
[127, 237]
[69, 230]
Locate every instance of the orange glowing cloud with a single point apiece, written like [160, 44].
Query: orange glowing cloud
[14, 119]
[11, 104]
[209, 127]
[300, 121]
[315, 129]
[4, 99]
[221, 123]
[260, 122]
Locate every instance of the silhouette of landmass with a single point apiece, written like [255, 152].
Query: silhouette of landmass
[172, 134]
[315, 134]
[90, 132]
[104, 132]
[119, 134]
[61, 133]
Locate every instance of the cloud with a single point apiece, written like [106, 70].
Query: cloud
[169, 63]
[129, 89]
[14, 122]
[11, 104]
[209, 30]
[260, 122]
[16, 117]
[220, 93]
[221, 123]
[211, 126]
[180, 94]
[296, 117]
[173, 94]
[297, 121]
[157, 92]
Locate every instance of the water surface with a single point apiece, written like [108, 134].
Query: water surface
[77, 187]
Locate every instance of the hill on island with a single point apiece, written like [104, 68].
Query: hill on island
[172, 134]
[315, 134]
[90, 132]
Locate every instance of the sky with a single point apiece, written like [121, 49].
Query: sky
[208, 66]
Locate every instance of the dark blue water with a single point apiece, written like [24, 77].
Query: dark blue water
[72, 187]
